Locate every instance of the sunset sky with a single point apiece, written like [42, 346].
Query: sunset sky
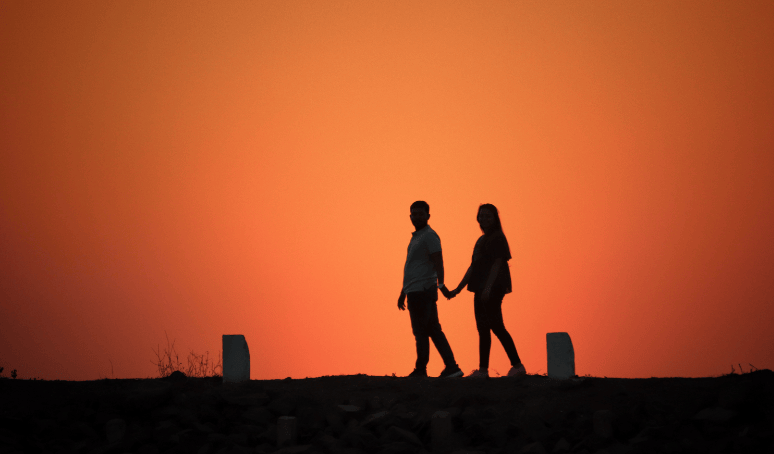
[208, 168]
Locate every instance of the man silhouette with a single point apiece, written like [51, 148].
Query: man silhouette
[422, 277]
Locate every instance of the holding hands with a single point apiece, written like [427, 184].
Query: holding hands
[449, 294]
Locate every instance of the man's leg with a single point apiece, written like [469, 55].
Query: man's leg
[436, 333]
[419, 316]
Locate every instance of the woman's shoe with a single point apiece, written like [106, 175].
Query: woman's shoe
[517, 371]
[479, 374]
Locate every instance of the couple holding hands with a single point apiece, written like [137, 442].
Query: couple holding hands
[488, 277]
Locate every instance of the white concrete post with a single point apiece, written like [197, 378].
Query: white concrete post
[236, 358]
[561, 355]
[286, 431]
[441, 431]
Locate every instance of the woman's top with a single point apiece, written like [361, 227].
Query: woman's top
[487, 249]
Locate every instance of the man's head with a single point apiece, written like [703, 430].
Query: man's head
[420, 213]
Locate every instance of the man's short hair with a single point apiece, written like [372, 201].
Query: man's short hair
[421, 204]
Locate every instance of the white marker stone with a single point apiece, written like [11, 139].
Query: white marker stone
[441, 431]
[286, 431]
[115, 429]
[236, 358]
[561, 355]
[603, 423]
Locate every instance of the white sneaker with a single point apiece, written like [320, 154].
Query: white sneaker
[517, 371]
[479, 374]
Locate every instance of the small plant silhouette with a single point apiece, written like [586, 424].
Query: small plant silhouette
[112, 374]
[741, 371]
[198, 365]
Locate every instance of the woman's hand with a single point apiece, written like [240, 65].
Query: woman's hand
[487, 293]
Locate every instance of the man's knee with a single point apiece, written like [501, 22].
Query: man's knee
[434, 329]
[419, 331]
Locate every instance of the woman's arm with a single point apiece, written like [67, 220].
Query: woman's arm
[464, 281]
[498, 262]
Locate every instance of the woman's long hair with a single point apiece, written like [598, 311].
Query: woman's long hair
[497, 226]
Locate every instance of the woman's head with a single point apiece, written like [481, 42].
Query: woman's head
[488, 218]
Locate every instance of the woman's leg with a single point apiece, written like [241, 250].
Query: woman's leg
[494, 312]
[484, 336]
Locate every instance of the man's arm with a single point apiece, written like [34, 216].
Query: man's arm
[437, 259]
[402, 301]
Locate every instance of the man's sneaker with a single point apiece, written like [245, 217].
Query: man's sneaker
[517, 371]
[451, 372]
[478, 373]
[418, 373]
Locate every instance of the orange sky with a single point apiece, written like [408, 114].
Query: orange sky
[209, 168]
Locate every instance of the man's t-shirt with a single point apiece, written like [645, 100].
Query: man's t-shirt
[419, 272]
[487, 249]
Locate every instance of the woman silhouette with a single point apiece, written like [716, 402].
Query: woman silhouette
[489, 278]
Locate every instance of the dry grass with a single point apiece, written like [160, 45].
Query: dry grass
[13, 373]
[741, 371]
[198, 365]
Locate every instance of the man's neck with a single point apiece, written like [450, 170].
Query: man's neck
[420, 228]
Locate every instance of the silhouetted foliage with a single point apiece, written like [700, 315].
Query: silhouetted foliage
[198, 365]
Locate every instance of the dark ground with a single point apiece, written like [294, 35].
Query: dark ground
[353, 414]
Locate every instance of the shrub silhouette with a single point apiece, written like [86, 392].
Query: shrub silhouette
[198, 365]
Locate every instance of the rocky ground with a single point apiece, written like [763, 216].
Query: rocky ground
[363, 414]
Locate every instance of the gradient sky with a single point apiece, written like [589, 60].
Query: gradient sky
[208, 168]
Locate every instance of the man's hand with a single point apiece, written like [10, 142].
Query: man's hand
[402, 301]
[447, 293]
